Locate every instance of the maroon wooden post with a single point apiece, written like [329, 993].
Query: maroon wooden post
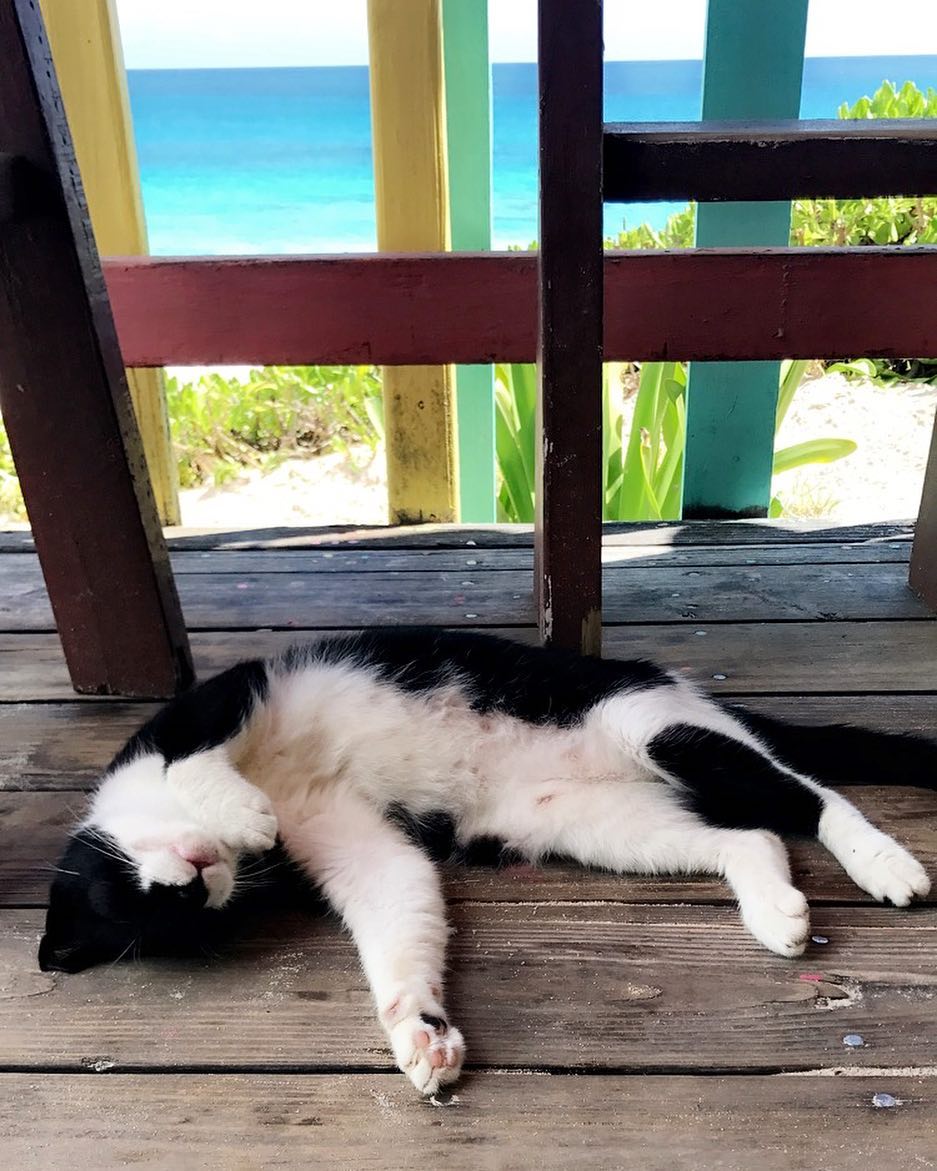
[65, 401]
[923, 578]
[568, 532]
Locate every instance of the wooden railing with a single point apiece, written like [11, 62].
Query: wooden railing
[421, 310]
[748, 304]
[68, 413]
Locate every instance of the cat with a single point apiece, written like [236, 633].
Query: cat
[347, 751]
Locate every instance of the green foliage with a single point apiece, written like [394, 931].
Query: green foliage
[220, 425]
[643, 474]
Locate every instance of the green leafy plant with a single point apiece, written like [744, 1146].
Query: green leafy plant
[221, 425]
[643, 473]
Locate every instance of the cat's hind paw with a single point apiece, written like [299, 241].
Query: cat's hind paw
[428, 1050]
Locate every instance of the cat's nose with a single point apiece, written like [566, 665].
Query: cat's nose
[198, 856]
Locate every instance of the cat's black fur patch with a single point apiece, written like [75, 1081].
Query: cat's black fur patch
[733, 786]
[203, 717]
[435, 833]
[540, 685]
[837, 754]
[98, 913]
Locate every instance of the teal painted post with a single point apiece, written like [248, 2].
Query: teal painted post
[753, 69]
[468, 135]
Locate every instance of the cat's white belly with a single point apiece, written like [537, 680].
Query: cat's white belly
[427, 752]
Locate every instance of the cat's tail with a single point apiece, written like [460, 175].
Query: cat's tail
[837, 754]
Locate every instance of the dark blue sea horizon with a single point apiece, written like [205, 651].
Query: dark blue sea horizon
[279, 160]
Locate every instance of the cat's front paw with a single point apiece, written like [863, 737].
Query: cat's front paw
[232, 809]
[246, 822]
[428, 1050]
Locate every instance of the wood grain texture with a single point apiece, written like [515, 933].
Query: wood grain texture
[714, 305]
[568, 445]
[765, 658]
[67, 410]
[408, 119]
[468, 597]
[389, 560]
[85, 40]
[35, 825]
[679, 535]
[657, 988]
[508, 1122]
[754, 160]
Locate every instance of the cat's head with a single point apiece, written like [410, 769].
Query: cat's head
[110, 901]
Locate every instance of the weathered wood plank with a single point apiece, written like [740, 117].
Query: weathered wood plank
[639, 556]
[67, 410]
[507, 1121]
[34, 826]
[680, 535]
[459, 307]
[392, 560]
[669, 595]
[65, 745]
[785, 657]
[768, 160]
[678, 988]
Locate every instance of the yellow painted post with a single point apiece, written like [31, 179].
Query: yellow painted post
[85, 39]
[408, 121]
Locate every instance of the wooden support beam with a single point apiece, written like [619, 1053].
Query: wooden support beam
[713, 305]
[67, 411]
[731, 409]
[468, 136]
[923, 574]
[724, 160]
[568, 527]
[85, 39]
[409, 142]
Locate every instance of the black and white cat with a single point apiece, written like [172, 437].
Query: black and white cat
[347, 746]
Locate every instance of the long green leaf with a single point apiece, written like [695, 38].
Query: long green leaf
[812, 451]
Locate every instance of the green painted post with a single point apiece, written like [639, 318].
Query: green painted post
[468, 134]
[753, 69]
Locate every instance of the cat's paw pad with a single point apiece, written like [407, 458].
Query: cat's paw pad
[428, 1050]
[887, 871]
[245, 821]
[779, 918]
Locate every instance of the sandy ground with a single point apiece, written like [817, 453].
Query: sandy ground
[880, 481]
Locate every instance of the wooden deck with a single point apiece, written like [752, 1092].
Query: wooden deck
[611, 1022]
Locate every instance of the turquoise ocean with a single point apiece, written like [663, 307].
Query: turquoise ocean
[279, 160]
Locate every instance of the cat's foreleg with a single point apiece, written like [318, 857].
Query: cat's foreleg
[388, 893]
[222, 801]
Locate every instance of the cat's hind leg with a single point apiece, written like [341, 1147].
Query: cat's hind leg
[388, 893]
[641, 827]
[730, 778]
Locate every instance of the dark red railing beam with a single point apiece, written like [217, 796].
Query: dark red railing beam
[708, 161]
[461, 307]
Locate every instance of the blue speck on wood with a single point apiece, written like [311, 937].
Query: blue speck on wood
[853, 1041]
[819, 939]
[884, 1101]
